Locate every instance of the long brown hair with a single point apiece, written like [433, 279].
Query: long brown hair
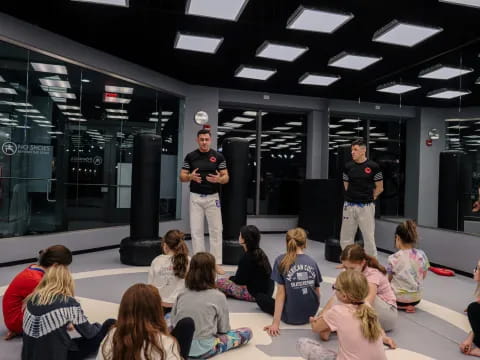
[57, 283]
[356, 254]
[55, 254]
[139, 326]
[296, 239]
[354, 285]
[407, 232]
[174, 239]
[201, 273]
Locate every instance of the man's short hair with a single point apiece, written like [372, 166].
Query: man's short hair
[203, 132]
[359, 142]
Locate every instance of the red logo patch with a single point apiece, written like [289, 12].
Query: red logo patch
[368, 170]
[213, 159]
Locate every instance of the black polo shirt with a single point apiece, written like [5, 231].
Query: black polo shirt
[206, 163]
[361, 180]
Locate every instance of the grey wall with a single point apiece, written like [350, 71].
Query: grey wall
[428, 165]
[317, 145]
[372, 109]
[452, 249]
[413, 144]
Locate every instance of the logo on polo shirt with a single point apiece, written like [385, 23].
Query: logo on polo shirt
[213, 159]
[368, 170]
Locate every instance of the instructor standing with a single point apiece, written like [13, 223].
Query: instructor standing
[205, 169]
[363, 182]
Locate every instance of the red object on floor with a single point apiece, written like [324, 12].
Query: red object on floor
[442, 271]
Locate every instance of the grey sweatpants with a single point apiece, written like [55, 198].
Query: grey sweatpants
[208, 206]
[355, 216]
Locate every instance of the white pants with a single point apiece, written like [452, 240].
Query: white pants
[202, 206]
[387, 314]
[355, 216]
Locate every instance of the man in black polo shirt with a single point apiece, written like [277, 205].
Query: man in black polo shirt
[205, 169]
[363, 182]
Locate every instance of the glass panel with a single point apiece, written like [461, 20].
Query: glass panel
[283, 162]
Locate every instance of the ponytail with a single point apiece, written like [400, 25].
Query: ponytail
[369, 324]
[356, 253]
[407, 232]
[174, 239]
[296, 239]
[354, 285]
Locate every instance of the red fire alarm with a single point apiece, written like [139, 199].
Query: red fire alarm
[207, 126]
[429, 142]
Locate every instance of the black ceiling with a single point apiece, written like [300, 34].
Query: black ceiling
[144, 33]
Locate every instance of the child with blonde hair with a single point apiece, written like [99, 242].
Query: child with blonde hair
[51, 314]
[360, 335]
[407, 268]
[298, 285]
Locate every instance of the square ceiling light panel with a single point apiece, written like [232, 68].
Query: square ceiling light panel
[397, 88]
[123, 3]
[49, 68]
[318, 79]
[199, 43]
[309, 19]
[350, 61]
[255, 73]
[119, 89]
[277, 51]
[219, 9]
[471, 3]
[55, 83]
[444, 72]
[8, 91]
[447, 93]
[404, 34]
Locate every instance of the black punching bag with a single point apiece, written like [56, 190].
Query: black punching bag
[234, 197]
[455, 181]
[143, 245]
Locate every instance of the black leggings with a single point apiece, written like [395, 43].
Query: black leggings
[88, 347]
[265, 302]
[473, 312]
[183, 332]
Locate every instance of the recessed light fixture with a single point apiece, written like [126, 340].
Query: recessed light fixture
[447, 93]
[278, 51]
[352, 61]
[444, 72]
[397, 88]
[8, 91]
[123, 3]
[334, 126]
[253, 113]
[121, 117]
[2, 79]
[404, 34]
[68, 107]
[256, 73]
[85, 80]
[117, 100]
[199, 43]
[55, 83]
[232, 125]
[46, 125]
[49, 68]
[345, 132]
[470, 3]
[57, 94]
[153, 119]
[458, 127]
[309, 19]
[164, 120]
[282, 128]
[242, 119]
[219, 9]
[317, 79]
[352, 121]
[55, 132]
[294, 123]
[119, 89]
[71, 113]
[167, 113]
[30, 111]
